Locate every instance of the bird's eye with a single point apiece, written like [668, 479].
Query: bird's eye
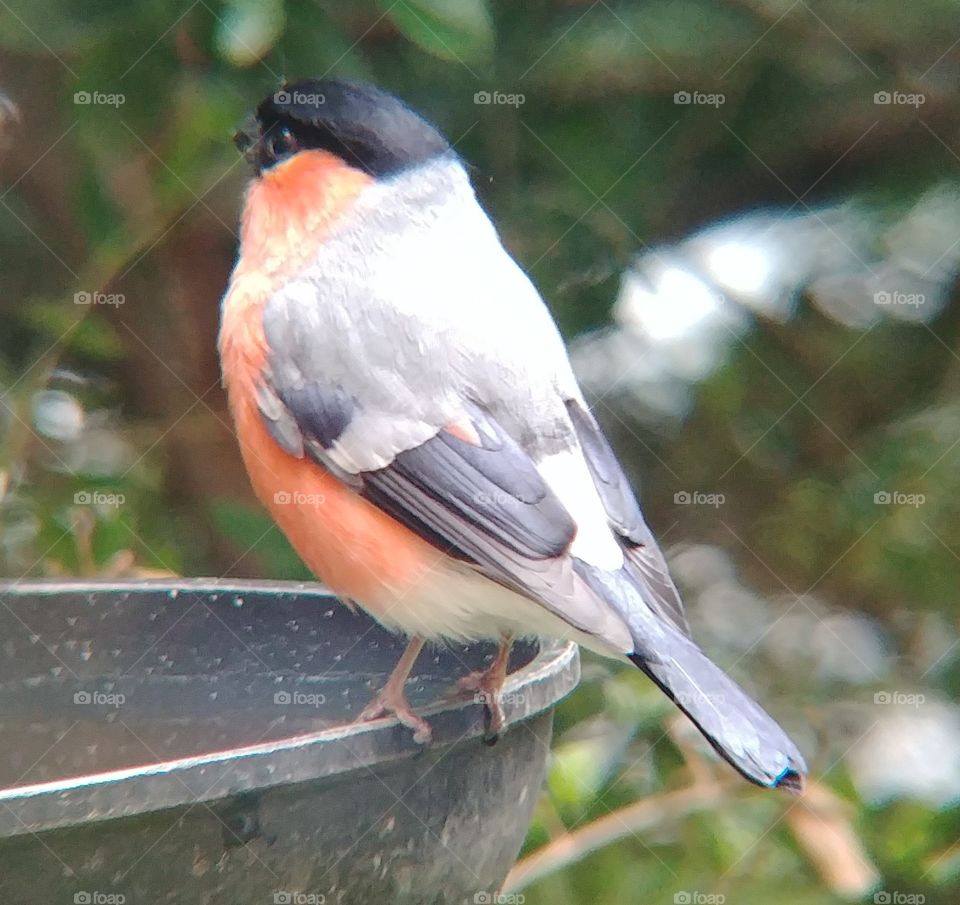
[283, 143]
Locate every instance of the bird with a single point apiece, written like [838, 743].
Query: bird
[407, 412]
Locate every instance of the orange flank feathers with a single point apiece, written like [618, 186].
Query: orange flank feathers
[351, 546]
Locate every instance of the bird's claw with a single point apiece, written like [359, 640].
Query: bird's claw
[386, 704]
[485, 686]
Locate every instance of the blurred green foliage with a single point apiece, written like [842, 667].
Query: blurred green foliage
[117, 176]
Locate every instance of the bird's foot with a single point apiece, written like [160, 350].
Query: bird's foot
[486, 686]
[485, 689]
[390, 702]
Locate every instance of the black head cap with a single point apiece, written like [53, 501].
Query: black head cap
[367, 128]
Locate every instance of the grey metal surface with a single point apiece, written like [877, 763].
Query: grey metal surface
[192, 742]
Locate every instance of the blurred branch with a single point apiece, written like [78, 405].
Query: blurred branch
[627, 821]
[821, 824]
[819, 820]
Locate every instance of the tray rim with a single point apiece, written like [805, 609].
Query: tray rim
[92, 797]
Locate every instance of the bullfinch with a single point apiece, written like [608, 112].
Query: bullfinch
[407, 412]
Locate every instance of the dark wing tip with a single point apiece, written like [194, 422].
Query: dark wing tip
[791, 780]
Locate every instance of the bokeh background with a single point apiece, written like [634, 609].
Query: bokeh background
[745, 215]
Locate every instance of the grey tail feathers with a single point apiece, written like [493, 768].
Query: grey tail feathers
[740, 730]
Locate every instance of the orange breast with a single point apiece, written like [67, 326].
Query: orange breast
[353, 547]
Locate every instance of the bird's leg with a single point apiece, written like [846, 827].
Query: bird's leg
[391, 699]
[487, 685]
